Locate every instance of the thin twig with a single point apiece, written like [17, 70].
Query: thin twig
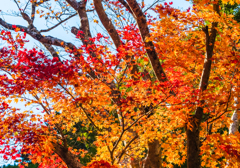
[85, 112]
[17, 5]
[151, 6]
[26, 6]
[119, 139]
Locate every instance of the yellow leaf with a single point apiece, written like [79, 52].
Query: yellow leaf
[16, 100]
[33, 119]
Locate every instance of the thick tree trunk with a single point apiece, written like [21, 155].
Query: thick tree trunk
[154, 156]
[69, 159]
[193, 146]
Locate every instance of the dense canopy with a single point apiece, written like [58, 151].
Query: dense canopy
[155, 87]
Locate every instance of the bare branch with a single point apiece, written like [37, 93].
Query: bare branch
[80, 8]
[24, 15]
[37, 36]
[17, 5]
[107, 23]
[46, 30]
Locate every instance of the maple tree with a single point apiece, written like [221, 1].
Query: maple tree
[154, 91]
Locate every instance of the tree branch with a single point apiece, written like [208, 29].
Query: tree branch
[37, 36]
[26, 5]
[144, 31]
[51, 50]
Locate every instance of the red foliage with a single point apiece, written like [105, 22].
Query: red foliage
[229, 149]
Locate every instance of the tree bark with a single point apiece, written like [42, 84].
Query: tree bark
[235, 122]
[233, 128]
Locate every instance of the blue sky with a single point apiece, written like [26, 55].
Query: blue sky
[8, 6]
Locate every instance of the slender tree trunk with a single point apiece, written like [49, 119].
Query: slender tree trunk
[193, 141]
[233, 128]
[235, 122]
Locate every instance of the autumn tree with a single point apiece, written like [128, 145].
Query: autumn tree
[156, 89]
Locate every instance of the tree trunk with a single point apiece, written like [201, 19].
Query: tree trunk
[154, 156]
[193, 146]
